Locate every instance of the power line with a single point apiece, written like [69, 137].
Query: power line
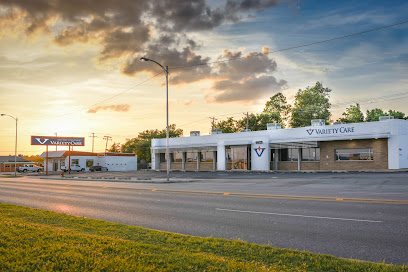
[293, 47]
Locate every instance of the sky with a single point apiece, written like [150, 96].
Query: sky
[73, 68]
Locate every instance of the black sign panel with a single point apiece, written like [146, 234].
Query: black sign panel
[52, 140]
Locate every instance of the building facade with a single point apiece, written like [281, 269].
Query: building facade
[112, 161]
[357, 146]
[7, 163]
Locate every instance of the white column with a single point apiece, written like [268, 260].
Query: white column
[299, 157]
[221, 160]
[214, 160]
[183, 161]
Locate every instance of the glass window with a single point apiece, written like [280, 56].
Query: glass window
[74, 161]
[191, 156]
[178, 156]
[239, 157]
[310, 154]
[228, 154]
[162, 157]
[207, 156]
[289, 154]
[354, 154]
[89, 163]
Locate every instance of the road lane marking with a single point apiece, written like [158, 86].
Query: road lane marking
[298, 215]
[339, 199]
[226, 194]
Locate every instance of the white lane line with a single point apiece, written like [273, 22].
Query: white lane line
[298, 215]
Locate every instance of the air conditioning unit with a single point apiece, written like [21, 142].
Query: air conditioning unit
[194, 133]
[273, 126]
[339, 123]
[383, 118]
[318, 122]
[216, 131]
[245, 130]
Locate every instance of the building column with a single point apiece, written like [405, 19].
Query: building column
[276, 159]
[198, 160]
[183, 161]
[155, 161]
[221, 160]
[299, 157]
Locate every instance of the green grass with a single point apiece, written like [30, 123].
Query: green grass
[38, 240]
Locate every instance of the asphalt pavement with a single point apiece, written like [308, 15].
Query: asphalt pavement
[359, 215]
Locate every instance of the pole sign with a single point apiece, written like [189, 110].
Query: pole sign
[62, 141]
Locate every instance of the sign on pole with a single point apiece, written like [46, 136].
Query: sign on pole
[62, 141]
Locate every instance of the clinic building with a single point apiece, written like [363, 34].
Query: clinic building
[357, 146]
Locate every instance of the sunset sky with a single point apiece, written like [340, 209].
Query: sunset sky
[73, 67]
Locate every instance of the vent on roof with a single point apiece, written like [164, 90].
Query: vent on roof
[339, 123]
[383, 118]
[245, 130]
[318, 122]
[194, 133]
[216, 131]
[273, 126]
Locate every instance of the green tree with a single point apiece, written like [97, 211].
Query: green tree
[397, 114]
[374, 114]
[259, 121]
[353, 114]
[142, 143]
[115, 148]
[278, 108]
[312, 103]
[228, 126]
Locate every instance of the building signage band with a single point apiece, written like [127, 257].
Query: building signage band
[325, 131]
[52, 140]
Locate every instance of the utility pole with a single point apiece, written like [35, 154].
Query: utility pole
[247, 124]
[93, 137]
[213, 122]
[107, 138]
[56, 146]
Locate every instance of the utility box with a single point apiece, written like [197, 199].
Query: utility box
[318, 122]
[273, 126]
[194, 133]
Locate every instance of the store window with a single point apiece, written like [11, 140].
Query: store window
[191, 156]
[89, 163]
[310, 154]
[177, 157]
[163, 157]
[354, 154]
[289, 154]
[74, 161]
[207, 156]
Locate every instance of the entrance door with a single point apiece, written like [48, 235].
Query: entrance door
[55, 167]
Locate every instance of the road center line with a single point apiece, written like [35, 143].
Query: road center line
[298, 215]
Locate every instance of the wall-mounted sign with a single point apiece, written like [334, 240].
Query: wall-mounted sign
[52, 140]
[258, 142]
[326, 131]
[259, 151]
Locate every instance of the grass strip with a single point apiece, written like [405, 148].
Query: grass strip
[38, 240]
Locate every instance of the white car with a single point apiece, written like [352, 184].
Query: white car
[74, 167]
[29, 167]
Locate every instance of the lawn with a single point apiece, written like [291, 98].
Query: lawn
[38, 240]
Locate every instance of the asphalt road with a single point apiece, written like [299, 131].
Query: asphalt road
[362, 217]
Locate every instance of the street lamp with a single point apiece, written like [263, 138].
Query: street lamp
[166, 72]
[15, 147]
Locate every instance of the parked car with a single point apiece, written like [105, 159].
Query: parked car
[29, 167]
[98, 168]
[74, 167]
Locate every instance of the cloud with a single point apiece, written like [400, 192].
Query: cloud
[115, 108]
[130, 29]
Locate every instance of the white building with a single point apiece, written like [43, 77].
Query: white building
[357, 146]
[112, 161]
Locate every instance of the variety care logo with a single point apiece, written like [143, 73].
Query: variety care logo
[325, 131]
[259, 151]
[42, 140]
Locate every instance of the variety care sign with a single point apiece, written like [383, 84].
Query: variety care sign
[64, 141]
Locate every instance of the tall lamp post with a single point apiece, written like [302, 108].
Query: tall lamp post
[15, 147]
[166, 72]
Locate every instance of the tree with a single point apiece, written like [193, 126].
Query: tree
[34, 158]
[259, 121]
[312, 103]
[396, 114]
[374, 114]
[278, 107]
[353, 114]
[142, 143]
[115, 148]
[228, 126]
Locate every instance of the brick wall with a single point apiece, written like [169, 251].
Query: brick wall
[206, 166]
[176, 165]
[380, 155]
[191, 166]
